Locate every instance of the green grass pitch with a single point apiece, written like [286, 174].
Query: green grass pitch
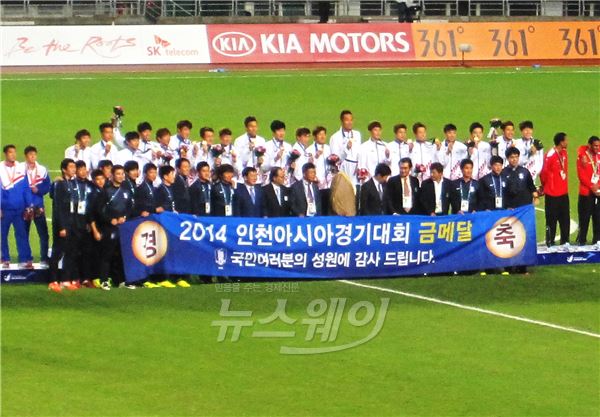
[155, 353]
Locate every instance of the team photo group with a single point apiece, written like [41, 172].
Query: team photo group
[135, 173]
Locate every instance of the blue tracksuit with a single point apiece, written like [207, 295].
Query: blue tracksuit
[16, 197]
[40, 179]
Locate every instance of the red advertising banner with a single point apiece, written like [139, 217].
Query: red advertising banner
[389, 42]
[310, 43]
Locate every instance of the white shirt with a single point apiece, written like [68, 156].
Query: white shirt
[503, 145]
[98, 153]
[272, 149]
[178, 143]
[163, 155]
[306, 155]
[80, 155]
[532, 161]
[349, 157]
[323, 172]
[242, 148]
[277, 190]
[128, 154]
[451, 160]
[423, 153]
[9, 176]
[438, 195]
[372, 153]
[35, 175]
[398, 150]
[310, 199]
[481, 156]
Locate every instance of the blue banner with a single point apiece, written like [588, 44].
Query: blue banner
[327, 247]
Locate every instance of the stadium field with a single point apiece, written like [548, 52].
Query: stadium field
[47, 109]
[528, 347]
[155, 352]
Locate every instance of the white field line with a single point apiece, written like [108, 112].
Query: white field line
[475, 309]
[233, 74]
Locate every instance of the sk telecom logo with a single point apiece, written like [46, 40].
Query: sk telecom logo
[159, 43]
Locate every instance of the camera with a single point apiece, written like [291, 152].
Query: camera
[495, 123]
[538, 145]
[118, 111]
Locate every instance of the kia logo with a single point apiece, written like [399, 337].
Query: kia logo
[234, 44]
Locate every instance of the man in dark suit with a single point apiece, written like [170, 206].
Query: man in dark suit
[276, 196]
[435, 192]
[371, 195]
[221, 194]
[181, 188]
[401, 195]
[492, 187]
[520, 189]
[463, 197]
[200, 191]
[145, 193]
[305, 200]
[247, 199]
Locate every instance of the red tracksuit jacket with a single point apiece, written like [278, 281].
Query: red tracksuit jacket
[552, 179]
[585, 169]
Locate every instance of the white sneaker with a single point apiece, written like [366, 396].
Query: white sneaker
[105, 286]
[128, 286]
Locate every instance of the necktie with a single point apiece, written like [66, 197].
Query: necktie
[278, 194]
[252, 195]
[380, 190]
[406, 190]
[311, 197]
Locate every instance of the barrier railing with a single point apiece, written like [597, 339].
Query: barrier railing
[154, 9]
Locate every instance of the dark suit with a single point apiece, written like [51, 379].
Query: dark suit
[519, 186]
[270, 204]
[165, 198]
[490, 187]
[221, 195]
[243, 206]
[461, 190]
[427, 196]
[145, 199]
[298, 202]
[394, 192]
[199, 196]
[371, 203]
[181, 193]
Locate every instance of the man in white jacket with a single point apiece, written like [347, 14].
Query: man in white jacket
[345, 143]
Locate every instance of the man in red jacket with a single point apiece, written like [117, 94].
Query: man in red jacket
[588, 172]
[556, 188]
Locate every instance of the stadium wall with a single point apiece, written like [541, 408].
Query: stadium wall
[493, 43]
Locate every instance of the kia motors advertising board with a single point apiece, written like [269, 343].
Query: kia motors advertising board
[310, 43]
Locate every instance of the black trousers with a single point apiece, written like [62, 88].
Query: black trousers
[325, 203]
[111, 261]
[588, 207]
[557, 211]
[65, 254]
